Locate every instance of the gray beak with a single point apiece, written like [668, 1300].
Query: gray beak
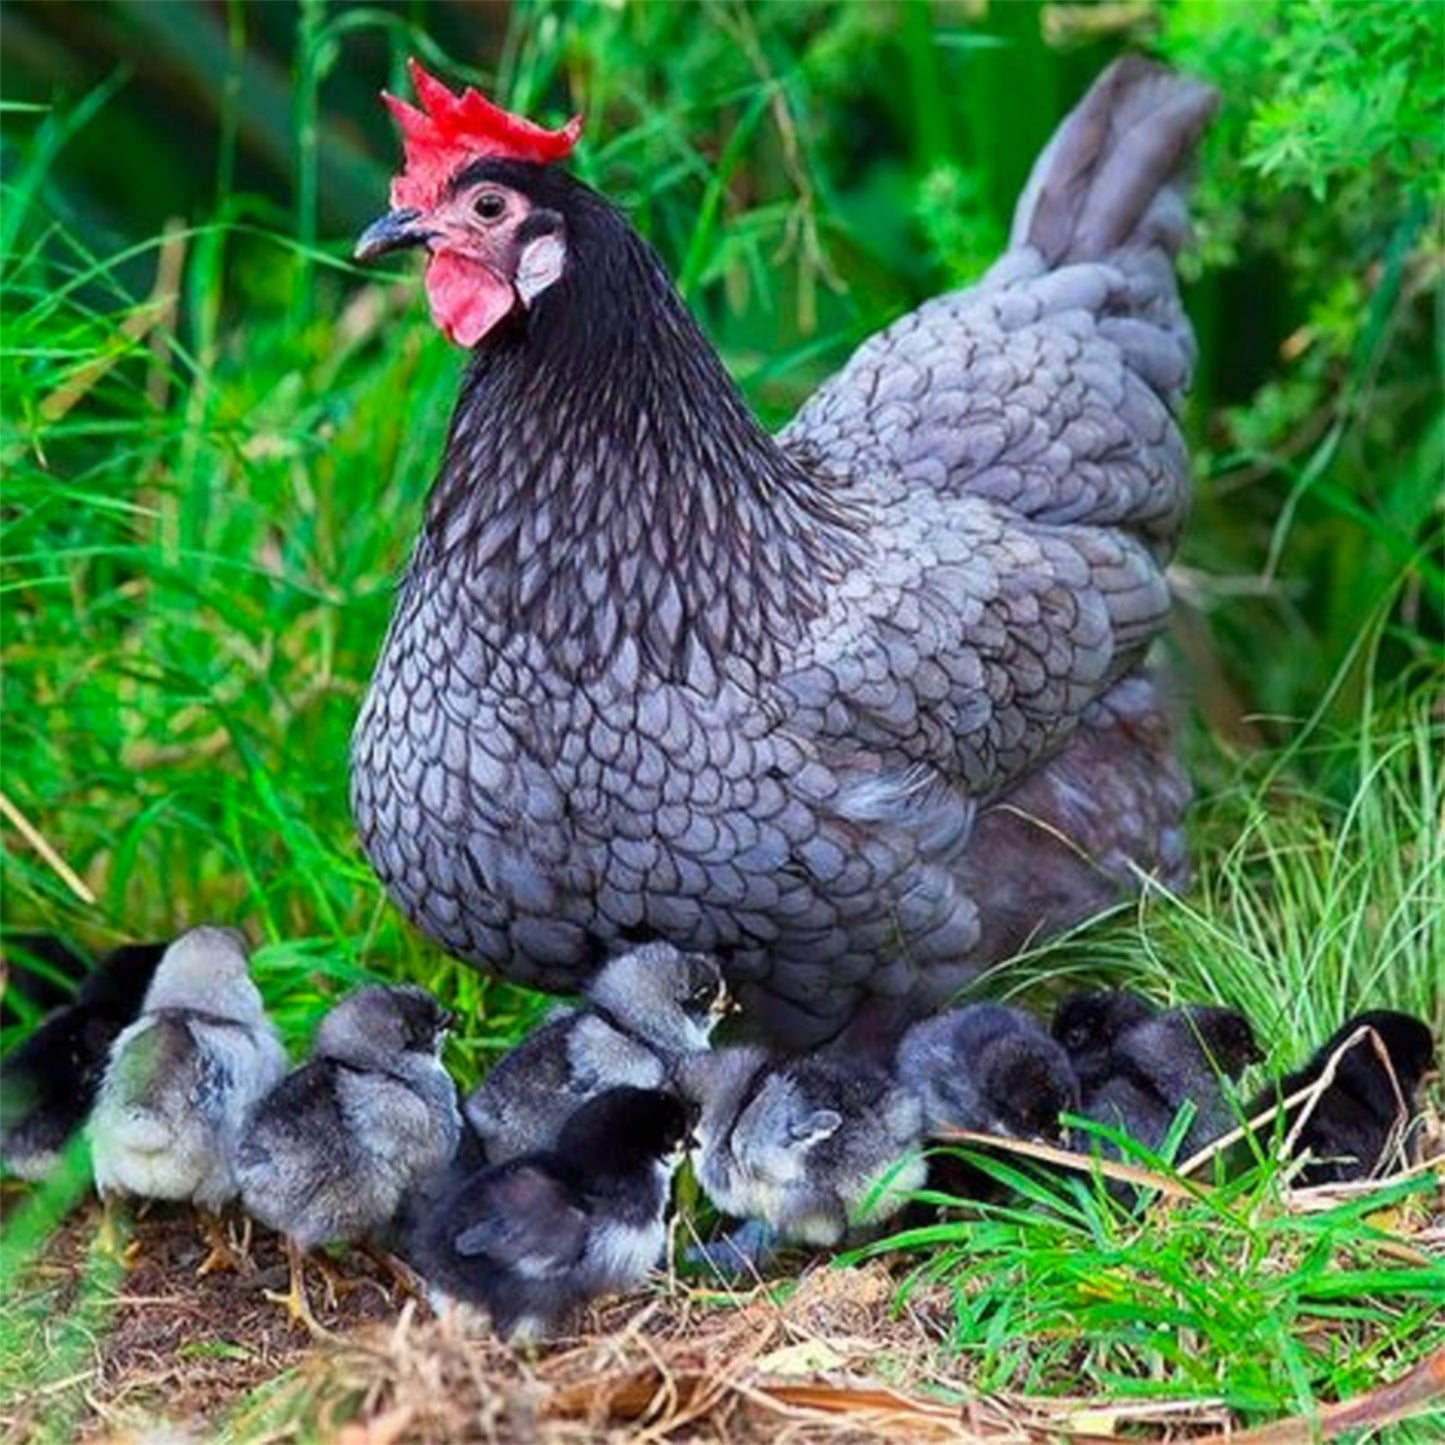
[393, 232]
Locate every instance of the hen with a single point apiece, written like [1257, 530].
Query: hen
[858, 708]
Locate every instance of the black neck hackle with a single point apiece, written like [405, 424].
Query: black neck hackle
[605, 487]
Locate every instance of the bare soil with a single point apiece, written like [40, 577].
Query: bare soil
[829, 1358]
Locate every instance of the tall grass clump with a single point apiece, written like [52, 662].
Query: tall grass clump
[1225, 1298]
[1309, 902]
[1320, 210]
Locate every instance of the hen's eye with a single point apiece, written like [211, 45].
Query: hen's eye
[490, 205]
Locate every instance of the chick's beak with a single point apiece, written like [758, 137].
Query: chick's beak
[393, 232]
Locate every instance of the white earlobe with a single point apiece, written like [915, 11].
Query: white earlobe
[540, 265]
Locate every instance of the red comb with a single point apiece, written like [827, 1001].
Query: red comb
[450, 130]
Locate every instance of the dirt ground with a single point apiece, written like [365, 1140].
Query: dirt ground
[834, 1361]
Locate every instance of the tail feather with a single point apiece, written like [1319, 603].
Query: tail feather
[1111, 177]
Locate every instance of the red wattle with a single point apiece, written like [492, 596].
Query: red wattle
[466, 299]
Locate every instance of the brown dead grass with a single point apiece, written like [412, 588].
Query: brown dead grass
[835, 1363]
[833, 1358]
[176, 1347]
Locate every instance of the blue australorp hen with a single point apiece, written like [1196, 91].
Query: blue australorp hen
[856, 708]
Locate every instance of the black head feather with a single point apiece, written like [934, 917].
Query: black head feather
[1029, 1082]
[1088, 1024]
[1227, 1038]
[623, 1130]
[116, 987]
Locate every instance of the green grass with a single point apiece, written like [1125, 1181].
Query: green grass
[205, 509]
[1306, 908]
[1310, 901]
[1226, 1298]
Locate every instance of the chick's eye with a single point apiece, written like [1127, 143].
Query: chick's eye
[490, 205]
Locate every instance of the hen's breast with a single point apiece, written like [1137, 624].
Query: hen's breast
[535, 824]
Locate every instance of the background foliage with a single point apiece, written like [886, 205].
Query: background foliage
[210, 484]
[216, 434]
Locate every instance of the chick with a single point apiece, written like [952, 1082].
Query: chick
[48, 1084]
[1086, 1025]
[804, 1145]
[534, 1238]
[989, 1069]
[329, 1154]
[644, 1011]
[430, 1186]
[182, 1076]
[1166, 1061]
[1349, 1127]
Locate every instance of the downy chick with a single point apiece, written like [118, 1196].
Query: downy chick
[644, 1011]
[990, 1069]
[48, 1084]
[802, 1145]
[1169, 1060]
[1349, 1128]
[1087, 1025]
[429, 1187]
[329, 1154]
[181, 1078]
[535, 1238]
[987, 1068]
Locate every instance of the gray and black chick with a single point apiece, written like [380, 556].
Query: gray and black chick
[533, 1239]
[329, 1154]
[181, 1078]
[48, 1084]
[804, 1145]
[1349, 1128]
[987, 1068]
[1087, 1024]
[1168, 1060]
[644, 1011]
